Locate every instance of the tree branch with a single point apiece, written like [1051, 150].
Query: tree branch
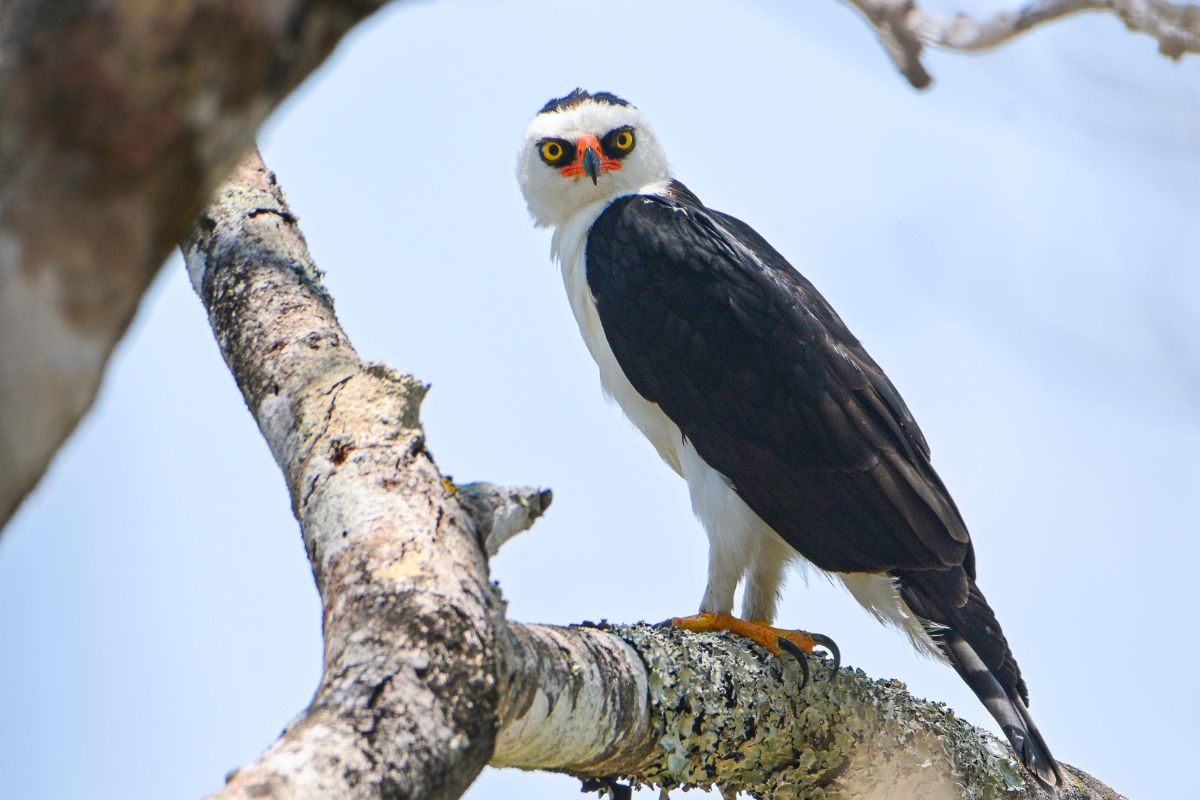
[406, 704]
[724, 714]
[117, 120]
[904, 28]
[501, 512]
[425, 681]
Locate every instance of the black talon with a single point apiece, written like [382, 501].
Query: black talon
[618, 791]
[831, 646]
[795, 652]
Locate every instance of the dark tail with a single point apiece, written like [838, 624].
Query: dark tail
[1008, 709]
[966, 630]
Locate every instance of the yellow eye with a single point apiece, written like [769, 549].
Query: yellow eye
[552, 151]
[623, 141]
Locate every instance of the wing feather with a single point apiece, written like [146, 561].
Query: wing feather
[711, 323]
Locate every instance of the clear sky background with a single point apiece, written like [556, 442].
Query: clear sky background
[1017, 247]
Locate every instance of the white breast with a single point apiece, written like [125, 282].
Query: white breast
[569, 247]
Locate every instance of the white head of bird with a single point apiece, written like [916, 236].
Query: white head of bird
[583, 149]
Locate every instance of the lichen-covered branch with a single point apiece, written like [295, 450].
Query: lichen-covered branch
[722, 713]
[117, 120]
[424, 679]
[904, 28]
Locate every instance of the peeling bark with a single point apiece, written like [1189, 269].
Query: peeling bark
[117, 120]
[904, 28]
[425, 681]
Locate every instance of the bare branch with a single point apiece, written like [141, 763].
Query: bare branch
[904, 28]
[117, 120]
[425, 681]
[406, 705]
[501, 512]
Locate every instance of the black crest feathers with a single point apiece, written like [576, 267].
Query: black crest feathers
[579, 96]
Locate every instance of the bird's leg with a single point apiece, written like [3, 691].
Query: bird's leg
[764, 570]
[765, 578]
[727, 563]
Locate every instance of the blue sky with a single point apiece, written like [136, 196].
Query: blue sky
[1017, 248]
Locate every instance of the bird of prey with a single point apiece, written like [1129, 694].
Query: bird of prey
[793, 442]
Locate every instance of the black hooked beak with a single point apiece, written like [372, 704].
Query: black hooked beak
[591, 164]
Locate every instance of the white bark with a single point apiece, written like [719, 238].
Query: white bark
[904, 28]
[425, 681]
[407, 702]
[573, 700]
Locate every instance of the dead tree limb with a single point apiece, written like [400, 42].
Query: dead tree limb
[425, 681]
[904, 28]
[117, 120]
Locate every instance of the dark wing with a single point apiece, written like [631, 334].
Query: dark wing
[711, 323]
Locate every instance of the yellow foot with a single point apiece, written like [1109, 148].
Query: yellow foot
[775, 640]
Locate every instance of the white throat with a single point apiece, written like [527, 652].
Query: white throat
[569, 248]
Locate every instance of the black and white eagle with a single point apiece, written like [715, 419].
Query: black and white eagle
[793, 442]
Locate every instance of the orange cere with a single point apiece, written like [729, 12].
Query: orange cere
[586, 142]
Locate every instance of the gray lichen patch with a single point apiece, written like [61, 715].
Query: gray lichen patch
[728, 713]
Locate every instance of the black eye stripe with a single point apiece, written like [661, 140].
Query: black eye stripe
[609, 142]
[564, 156]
